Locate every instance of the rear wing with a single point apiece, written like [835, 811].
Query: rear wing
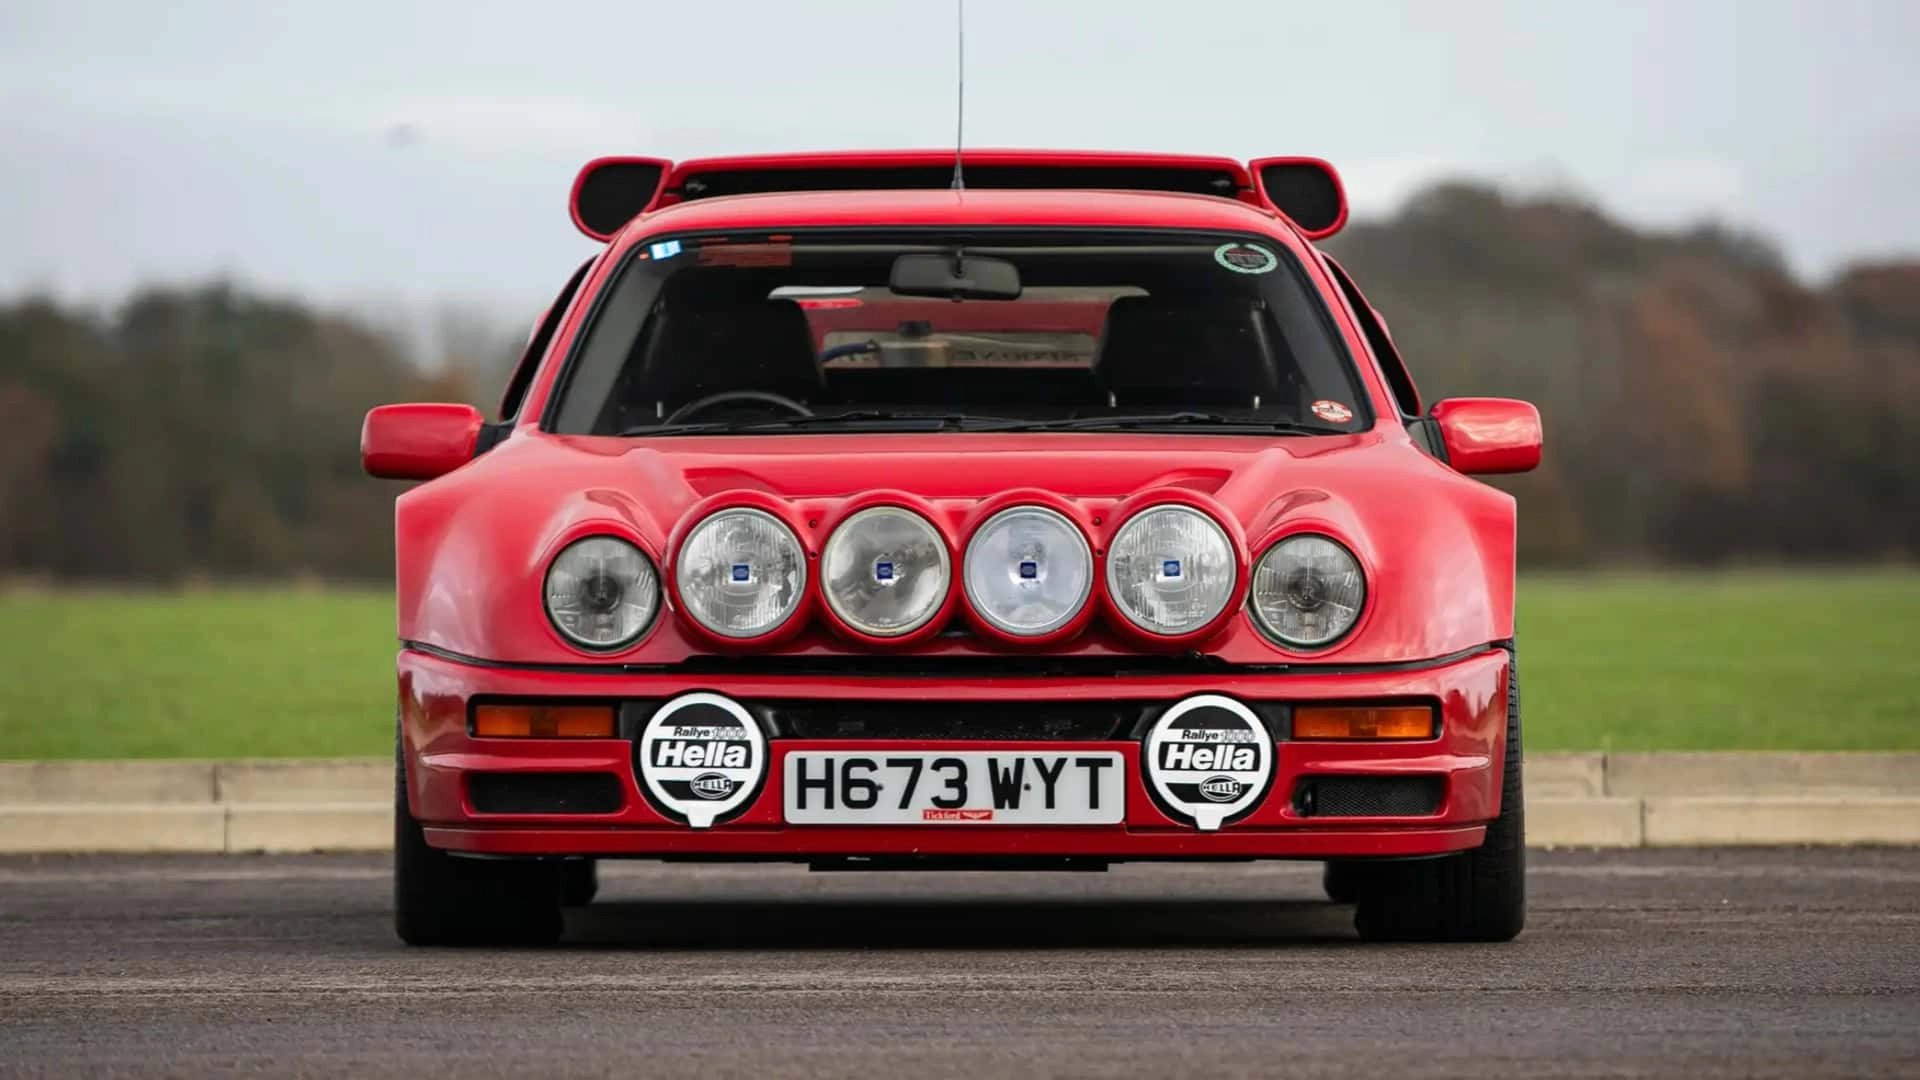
[611, 191]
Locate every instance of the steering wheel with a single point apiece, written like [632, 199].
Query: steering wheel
[726, 397]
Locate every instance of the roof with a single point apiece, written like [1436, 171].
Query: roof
[1068, 209]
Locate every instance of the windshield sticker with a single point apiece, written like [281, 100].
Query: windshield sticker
[1245, 258]
[746, 254]
[1332, 412]
[666, 249]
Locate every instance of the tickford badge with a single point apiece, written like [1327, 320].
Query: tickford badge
[701, 759]
[1209, 760]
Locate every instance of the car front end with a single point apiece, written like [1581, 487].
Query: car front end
[1002, 532]
[848, 767]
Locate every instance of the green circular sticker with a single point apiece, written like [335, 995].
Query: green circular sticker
[1243, 258]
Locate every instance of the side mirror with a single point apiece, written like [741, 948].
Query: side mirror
[418, 441]
[1489, 435]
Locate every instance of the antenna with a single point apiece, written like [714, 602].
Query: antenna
[960, 94]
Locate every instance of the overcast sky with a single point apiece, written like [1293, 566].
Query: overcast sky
[383, 152]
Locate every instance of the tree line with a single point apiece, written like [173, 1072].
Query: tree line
[195, 432]
[1702, 405]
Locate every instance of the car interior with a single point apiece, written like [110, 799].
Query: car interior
[1159, 351]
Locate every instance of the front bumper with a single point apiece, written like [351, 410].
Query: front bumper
[441, 755]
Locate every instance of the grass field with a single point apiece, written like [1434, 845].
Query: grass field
[1812, 660]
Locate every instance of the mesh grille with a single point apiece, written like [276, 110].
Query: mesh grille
[918, 718]
[545, 792]
[954, 720]
[1368, 796]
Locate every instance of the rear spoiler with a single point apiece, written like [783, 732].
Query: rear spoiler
[611, 191]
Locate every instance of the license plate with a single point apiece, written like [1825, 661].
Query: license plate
[954, 787]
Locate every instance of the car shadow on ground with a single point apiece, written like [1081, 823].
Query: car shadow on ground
[971, 924]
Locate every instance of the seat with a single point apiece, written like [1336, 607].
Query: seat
[1164, 351]
[703, 346]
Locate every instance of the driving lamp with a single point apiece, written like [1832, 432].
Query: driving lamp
[1171, 570]
[1028, 571]
[1307, 591]
[741, 573]
[885, 571]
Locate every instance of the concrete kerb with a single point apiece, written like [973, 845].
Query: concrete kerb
[293, 780]
[1573, 800]
[1597, 822]
[1780, 820]
[132, 828]
[291, 828]
[28, 783]
[1566, 776]
[1784, 774]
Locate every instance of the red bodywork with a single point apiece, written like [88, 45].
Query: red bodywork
[1437, 548]
[434, 696]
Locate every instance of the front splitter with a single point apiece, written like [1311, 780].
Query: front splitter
[984, 840]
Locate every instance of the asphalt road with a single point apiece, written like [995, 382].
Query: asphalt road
[1791, 963]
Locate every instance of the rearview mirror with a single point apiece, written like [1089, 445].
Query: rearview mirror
[955, 277]
[418, 441]
[1489, 435]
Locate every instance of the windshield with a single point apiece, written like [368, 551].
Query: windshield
[757, 333]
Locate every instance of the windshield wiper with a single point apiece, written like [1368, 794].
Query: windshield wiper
[859, 419]
[1159, 420]
[879, 420]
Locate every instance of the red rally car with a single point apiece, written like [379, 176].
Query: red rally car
[1076, 512]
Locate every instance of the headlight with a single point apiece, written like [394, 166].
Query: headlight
[602, 592]
[741, 573]
[1307, 591]
[1028, 571]
[885, 571]
[1171, 570]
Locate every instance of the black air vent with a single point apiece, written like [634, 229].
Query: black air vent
[1368, 796]
[1305, 193]
[613, 194]
[545, 792]
[954, 720]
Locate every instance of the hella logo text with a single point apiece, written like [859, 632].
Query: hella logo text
[1187, 756]
[1221, 788]
[670, 753]
[712, 786]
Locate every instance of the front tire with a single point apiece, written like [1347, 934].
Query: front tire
[443, 899]
[579, 882]
[1341, 880]
[1478, 895]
